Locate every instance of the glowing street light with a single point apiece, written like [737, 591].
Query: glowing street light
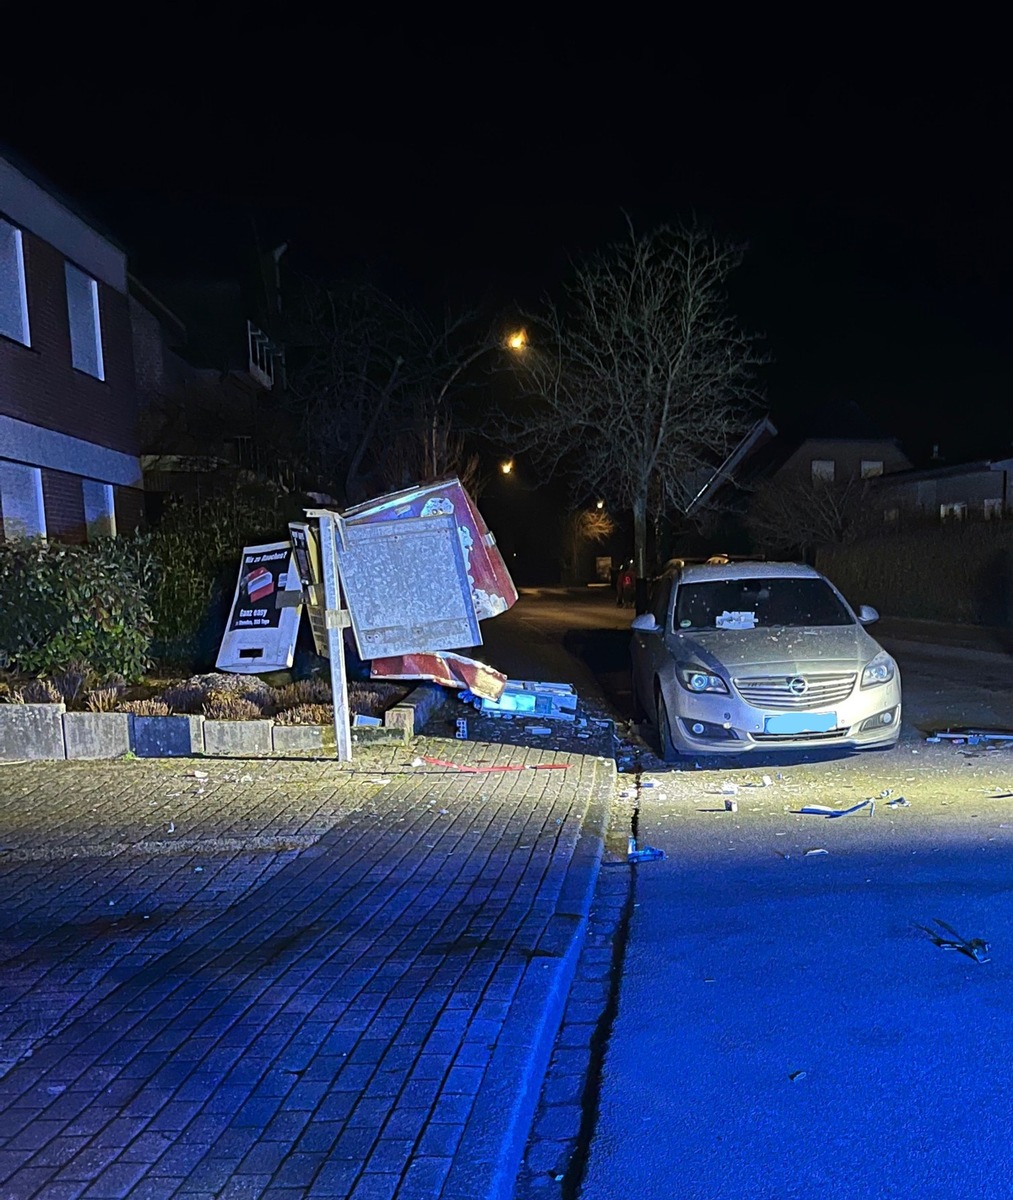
[600, 504]
[507, 466]
[517, 341]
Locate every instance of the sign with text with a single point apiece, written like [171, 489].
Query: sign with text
[261, 632]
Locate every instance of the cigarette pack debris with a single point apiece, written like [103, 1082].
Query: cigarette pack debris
[815, 850]
[972, 735]
[462, 728]
[820, 810]
[360, 719]
[898, 802]
[731, 806]
[539, 730]
[947, 938]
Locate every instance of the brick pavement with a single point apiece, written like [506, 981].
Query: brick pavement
[287, 979]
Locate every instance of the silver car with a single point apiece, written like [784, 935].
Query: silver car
[758, 656]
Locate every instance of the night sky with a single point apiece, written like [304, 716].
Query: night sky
[868, 171]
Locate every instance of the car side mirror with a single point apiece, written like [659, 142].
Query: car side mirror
[867, 614]
[645, 623]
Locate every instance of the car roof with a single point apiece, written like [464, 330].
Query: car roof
[710, 572]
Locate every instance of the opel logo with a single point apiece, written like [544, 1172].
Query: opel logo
[798, 686]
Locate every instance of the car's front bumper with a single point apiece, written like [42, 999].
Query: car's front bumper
[731, 726]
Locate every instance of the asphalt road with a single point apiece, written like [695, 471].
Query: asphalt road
[790, 1021]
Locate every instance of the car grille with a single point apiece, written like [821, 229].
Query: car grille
[773, 693]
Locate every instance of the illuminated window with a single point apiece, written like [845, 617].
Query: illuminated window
[993, 508]
[953, 512]
[13, 297]
[85, 326]
[99, 509]
[823, 469]
[871, 467]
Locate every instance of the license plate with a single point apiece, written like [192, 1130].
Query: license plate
[800, 723]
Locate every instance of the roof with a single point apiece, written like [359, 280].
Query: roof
[713, 572]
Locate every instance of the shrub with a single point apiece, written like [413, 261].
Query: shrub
[306, 691]
[230, 706]
[307, 714]
[187, 698]
[103, 699]
[373, 699]
[62, 603]
[71, 681]
[145, 708]
[36, 691]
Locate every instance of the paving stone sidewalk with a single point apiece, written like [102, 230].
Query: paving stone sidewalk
[289, 978]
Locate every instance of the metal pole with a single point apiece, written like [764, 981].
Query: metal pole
[337, 619]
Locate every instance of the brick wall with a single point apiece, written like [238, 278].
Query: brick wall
[129, 505]
[38, 383]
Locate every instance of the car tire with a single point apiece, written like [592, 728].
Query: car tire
[667, 748]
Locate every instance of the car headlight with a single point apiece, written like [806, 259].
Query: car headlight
[698, 679]
[881, 670]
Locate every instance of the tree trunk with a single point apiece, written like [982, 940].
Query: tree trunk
[640, 552]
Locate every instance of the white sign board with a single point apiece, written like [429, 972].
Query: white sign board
[261, 633]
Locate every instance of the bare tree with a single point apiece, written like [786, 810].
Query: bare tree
[378, 387]
[640, 380]
[796, 515]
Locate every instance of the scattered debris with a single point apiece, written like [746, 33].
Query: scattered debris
[462, 728]
[361, 719]
[795, 1076]
[379, 780]
[949, 939]
[643, 854]
[538, 730]
[171, 827]
[731, 806]
[815, 850]
[729, 789]
[971, 736]
[820, 810]
[898, 802]
[196, 774]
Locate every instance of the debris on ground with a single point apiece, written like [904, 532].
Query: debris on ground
[898, 802]
[643, 854]
[949, 939]
[731, 806]
[970, 736]
[729, 789]
[814, 850]
[820, 810]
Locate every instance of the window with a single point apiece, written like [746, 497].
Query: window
[993, 508]
[21, 501]
[13, 297]
[85, 327]
[99, 509]
[953, 512]
[823, 469]
[871, 467]
[758, 604]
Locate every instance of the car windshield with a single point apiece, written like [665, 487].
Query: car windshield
[758, 604]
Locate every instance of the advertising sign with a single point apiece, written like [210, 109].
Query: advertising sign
[261, 632]
[306, 549]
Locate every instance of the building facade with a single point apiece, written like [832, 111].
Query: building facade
[69, 465]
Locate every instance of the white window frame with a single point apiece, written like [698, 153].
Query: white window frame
[99, 509]
[17, 241]
[83, 341]
[992, 508]
[21, 500]
[823, 470]
[871, 468]
[956, 511]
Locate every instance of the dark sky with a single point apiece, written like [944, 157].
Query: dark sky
[868, 169]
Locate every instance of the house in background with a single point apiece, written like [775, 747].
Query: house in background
[967, 491]
[69, 450]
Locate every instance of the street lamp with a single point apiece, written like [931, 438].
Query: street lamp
[507, 466]
[517, 341]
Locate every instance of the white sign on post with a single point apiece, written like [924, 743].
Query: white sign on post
[335, 620]
[261, 632]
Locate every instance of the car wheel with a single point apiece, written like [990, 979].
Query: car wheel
[669, 753]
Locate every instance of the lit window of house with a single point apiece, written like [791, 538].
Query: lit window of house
[13, 296]
[871, 467]
[823, 469]
[85, 325]
[993, 508]
[21, 505]
[953, 512]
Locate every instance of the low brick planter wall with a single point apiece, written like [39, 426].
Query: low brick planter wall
[48, 731]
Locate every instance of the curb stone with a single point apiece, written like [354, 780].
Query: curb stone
[486, 1163]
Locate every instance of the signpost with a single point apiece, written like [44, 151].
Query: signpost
[335, 620]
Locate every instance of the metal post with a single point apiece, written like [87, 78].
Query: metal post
[337, 619]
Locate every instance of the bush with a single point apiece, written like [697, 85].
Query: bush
[230, 706]
[199, 542]
[145, 708]
[307, 714]
[305, 691]
[61, 603]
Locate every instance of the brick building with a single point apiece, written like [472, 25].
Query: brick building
[69, 466]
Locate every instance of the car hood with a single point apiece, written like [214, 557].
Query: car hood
[777, 650]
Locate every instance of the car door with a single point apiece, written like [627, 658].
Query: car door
[651, 649]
